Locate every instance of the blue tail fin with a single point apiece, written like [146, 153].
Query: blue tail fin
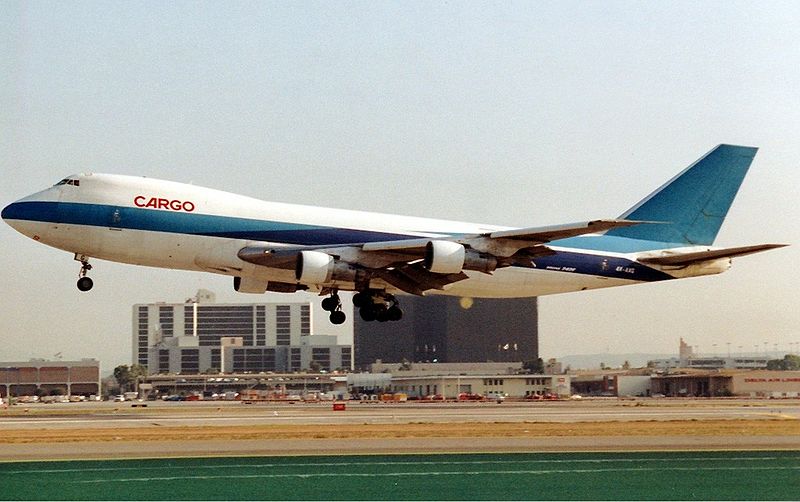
[693, 204]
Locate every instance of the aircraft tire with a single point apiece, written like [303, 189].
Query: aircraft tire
[360, 299]
[338, 317]
[367, 313]
[394, 313]
[382, 315]
[85, 284]
[330, 304]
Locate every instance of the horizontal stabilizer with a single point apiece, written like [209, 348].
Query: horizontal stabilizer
[701, 256]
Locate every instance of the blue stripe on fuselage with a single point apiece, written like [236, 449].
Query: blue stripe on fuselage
[613, 267]
[311, 235]
[153, 220]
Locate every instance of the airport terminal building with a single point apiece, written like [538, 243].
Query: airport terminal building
[201, 336]
[42, 377]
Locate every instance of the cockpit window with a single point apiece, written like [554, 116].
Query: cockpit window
[67, 181]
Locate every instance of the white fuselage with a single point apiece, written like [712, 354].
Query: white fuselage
[165, 224]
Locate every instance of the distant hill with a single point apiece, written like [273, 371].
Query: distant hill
[593, 361]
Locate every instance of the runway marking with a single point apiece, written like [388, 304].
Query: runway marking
[434, 473]
[400, 463]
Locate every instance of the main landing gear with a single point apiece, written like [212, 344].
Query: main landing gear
[371, 305]
[84, 283]
[377, 306]
[333, 304]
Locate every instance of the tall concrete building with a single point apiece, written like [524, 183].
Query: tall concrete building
[201, 336]
[447, 329]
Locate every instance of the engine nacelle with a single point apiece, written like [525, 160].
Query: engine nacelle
[316, 267]
[313, 267]
[444, 257]
[249, 285]
[447, 257]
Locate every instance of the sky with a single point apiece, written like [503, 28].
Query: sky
[508, 113]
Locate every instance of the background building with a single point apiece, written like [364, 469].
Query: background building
[687, 359]
[202, 336]
[448, 329]
[42, 377]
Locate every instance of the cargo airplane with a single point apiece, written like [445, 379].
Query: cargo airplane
[268, 246]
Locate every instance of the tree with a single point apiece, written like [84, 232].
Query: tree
[126, 376]
[534, 367]
[790, 362]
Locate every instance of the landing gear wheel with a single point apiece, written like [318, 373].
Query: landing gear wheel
[377, 306]
[394, 313]
[337, 317]
[331, 303]
[361, 300]
[367, 313]
[85, 283]
[382, 315]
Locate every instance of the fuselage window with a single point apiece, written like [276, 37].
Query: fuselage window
[67, 181]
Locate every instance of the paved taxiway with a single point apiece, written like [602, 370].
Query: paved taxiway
[188, 414]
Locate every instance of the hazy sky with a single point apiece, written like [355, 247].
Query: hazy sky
[512, 113]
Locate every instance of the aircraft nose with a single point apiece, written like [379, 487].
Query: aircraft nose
[9, 211]
[17, 214]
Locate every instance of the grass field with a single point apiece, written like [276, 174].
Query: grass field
[725, 475]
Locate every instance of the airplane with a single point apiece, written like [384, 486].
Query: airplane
[269, 246]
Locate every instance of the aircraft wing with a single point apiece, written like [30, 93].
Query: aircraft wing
[505, 243]
[684, 259]
[401, 262]
[555, 232]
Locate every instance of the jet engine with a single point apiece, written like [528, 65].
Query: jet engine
[249, 285]
[316, 267]
[448, 257]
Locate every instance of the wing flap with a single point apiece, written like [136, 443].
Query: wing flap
[701, 256]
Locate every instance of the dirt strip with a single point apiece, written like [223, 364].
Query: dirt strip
[686, 428]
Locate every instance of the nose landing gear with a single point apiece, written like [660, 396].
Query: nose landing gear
[84, 283]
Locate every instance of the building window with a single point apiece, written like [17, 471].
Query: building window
[190, 361]
[166, 319]
[295, 360]
[163, 361]
[283, 324]
[322, 355]
[305, 319]
[216, 321]
[261, 325]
